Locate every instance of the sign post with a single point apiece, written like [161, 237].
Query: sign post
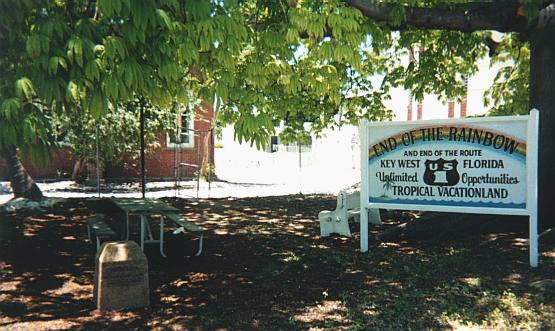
[482, 165]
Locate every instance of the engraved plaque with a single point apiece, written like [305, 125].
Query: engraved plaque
[121, 276]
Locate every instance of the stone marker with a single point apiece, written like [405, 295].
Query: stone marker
[121, 276]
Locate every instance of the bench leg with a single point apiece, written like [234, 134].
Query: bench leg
[341, 224]
[143, 232]
[198, 234]
[148, 230]
[97, 243]
[126, 226]
[89, 233]
[374, 216]
[325, 218]
[162, 236]
[325, 228]
[200, 244]
[342, 227]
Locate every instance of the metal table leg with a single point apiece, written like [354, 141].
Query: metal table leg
[162, 236]
[200, 244]
[126, 225]
[143, 219]
[149, 235]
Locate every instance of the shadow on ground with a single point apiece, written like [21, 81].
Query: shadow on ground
[265, 267]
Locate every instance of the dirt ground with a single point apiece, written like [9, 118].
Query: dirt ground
[265, 267]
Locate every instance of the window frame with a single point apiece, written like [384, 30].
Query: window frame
[190, 129]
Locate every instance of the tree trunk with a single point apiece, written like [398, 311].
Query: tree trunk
[23, 186]
[207, 166]
[78, 175]
[542, 97]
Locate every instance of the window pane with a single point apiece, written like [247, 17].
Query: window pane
[185, 128]
[184, 134]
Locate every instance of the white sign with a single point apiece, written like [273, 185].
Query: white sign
[472, 165]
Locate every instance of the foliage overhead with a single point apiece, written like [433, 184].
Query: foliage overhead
[303, 64]
[509, 93]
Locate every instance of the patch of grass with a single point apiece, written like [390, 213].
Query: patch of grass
[451, 305]
[444, 287]
[501, 311]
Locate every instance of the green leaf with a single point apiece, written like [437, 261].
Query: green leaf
[116, 6]
[92, 71]
[199, 9]
[33, 46]
[75, 50]
[24, 89]
[188, 51]
[10, 108]
[292, 35]
[139, 15]
[72, 92]
[53, 65]
[105, 7]
[98, 104]
[165, 19]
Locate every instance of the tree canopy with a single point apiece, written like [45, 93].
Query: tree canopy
[303, 64]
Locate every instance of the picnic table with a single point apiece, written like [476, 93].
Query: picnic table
[144, 208]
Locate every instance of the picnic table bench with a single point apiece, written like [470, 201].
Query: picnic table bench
[102, 231]
[119, 209]
[186, 225]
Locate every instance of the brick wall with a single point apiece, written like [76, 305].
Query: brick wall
[59, 165]
[463, 107]
[159, 165]
[451, 109]
[419, 110]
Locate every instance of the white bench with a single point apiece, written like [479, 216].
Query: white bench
[348, 206]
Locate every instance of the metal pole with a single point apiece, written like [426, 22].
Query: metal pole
[210, 159]
[363, 137]
[199, 166]
[176, 160]
[142, 120]
[97, 162]
[300, 169]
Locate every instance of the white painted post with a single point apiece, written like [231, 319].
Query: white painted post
[363, 135]
[532, 179]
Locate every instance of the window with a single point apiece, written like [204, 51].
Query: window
[275, 145]
[183, 135]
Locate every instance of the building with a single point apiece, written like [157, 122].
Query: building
[172, 159]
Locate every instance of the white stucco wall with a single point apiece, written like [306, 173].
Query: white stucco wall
[333, 162]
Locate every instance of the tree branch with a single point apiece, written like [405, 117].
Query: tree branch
[502, 16]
